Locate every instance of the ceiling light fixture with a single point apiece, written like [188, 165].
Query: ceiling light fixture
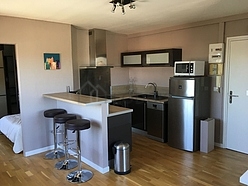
[122, 3]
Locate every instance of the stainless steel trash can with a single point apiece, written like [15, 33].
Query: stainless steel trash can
[121, 153]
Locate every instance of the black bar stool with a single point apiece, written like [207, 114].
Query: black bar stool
[67, 163]
[80, 175]
[56, 153]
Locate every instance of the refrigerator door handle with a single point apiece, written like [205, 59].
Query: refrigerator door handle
[181, 97]
[231, 96]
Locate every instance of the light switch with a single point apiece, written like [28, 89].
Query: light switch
[246, 92]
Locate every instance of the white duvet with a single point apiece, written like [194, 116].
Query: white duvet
[10, 126]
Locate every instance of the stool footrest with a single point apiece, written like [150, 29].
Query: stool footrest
[68, 142]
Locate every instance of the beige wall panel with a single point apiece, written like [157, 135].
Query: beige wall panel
[116, 43]
[80, 53]
[236, 28]
[32, 39]
[193, 41]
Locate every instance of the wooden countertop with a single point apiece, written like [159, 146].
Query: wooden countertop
[87, 100]
[115, 110]
[76, 98]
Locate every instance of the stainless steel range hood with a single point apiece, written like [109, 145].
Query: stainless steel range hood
[104, 48]
[97, 49]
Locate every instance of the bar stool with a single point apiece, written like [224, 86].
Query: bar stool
[67, 163]
[80, 175]
[55, 153]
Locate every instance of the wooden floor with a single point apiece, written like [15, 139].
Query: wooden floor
[153, 163]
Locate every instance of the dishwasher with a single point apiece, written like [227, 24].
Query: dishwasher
[156, 119]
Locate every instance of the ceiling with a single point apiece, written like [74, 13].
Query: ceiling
[149, 14]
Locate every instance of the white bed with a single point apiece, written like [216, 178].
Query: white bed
[10, 126]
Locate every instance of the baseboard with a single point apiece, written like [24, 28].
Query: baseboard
[138, 131]
[38, 151]
[102, 170]
[91, 164]
[219, 145]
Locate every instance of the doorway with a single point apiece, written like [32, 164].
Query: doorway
[9, 81]
[236, 94]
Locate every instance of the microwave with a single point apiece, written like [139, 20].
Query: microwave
[189, 68]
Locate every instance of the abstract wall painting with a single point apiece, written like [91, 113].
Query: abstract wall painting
[52, 61]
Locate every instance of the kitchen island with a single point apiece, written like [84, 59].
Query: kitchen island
[94, 142]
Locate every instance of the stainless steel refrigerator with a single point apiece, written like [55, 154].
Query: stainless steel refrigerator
[3, 98]
[189, 102]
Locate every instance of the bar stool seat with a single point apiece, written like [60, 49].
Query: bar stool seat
[55, 153]
[67, 163]
[63, 118]
[80, 175]
[53, 112]
[77, 124]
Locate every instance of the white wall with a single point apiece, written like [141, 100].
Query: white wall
[119, 76]
[32, 39]
[144, 75]
[194, 42]
[194, 39]
[80, 53]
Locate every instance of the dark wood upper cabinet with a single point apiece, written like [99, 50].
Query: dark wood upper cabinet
[163, 57]
[132, 59]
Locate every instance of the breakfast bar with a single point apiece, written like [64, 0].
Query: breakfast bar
[94, 142]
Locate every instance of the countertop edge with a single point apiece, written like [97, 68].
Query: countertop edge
[115, 110]
[70, 98]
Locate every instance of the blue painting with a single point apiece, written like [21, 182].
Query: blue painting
[51, 61]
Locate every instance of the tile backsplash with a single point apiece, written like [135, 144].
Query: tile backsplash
[137, 89]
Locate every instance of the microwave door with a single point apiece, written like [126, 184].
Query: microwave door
[183, 69]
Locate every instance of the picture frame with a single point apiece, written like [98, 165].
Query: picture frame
[52, 61]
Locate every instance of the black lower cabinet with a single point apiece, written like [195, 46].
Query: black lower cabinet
[120, 103]
[119, 129]
[139, 113]
[148, 118]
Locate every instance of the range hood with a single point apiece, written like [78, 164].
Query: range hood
[97, 48]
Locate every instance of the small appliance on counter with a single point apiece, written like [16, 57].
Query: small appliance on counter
[189, 68]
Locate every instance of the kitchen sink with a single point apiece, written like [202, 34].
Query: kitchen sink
[149, 96]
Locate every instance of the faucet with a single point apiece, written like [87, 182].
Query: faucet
[155, 92]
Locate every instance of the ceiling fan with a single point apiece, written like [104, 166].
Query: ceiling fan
[122, 3]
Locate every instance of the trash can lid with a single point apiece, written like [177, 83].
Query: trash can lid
[121, 145]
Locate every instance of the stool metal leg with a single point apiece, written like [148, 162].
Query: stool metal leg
[56, 153]
[67, 163]
[80, 175]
